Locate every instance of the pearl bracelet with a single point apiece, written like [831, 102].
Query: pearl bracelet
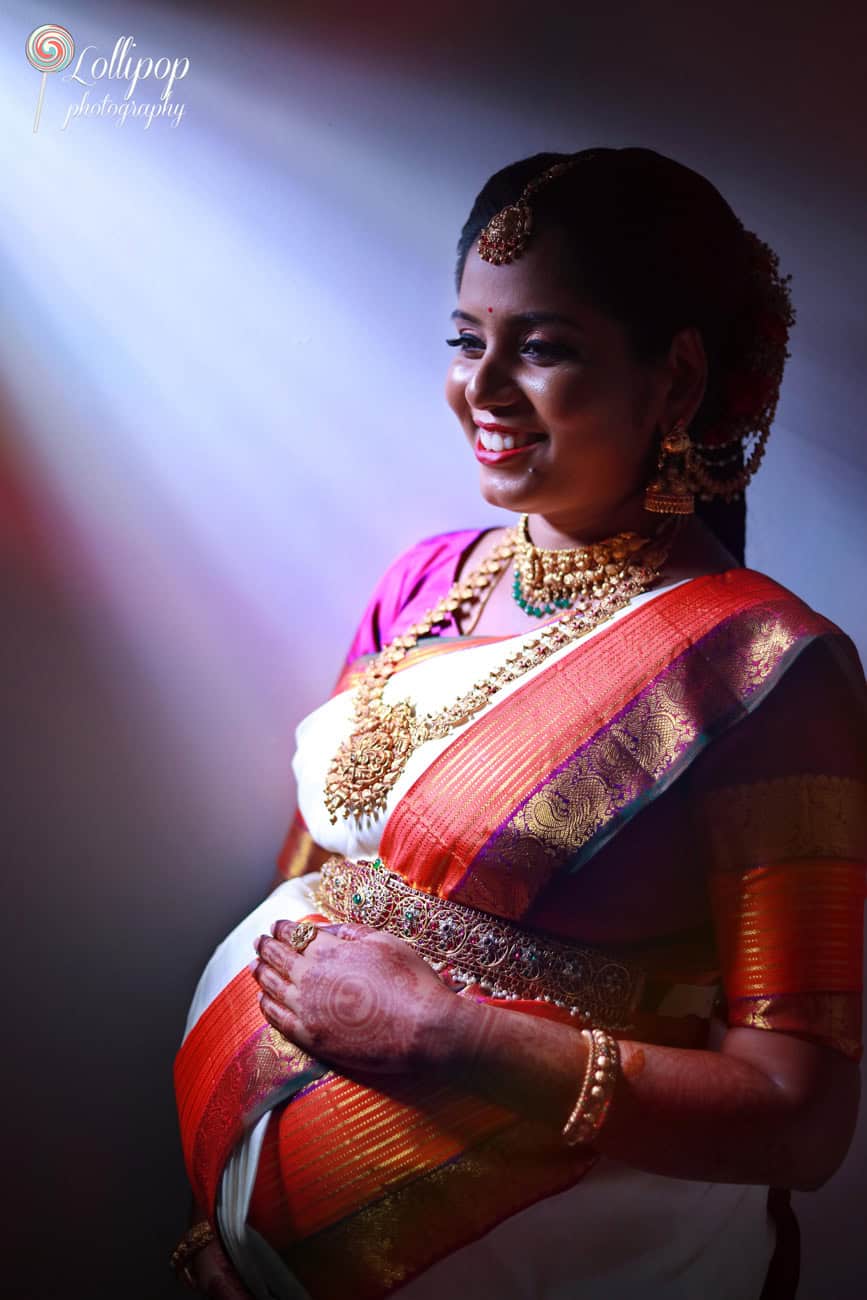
[597, 1088]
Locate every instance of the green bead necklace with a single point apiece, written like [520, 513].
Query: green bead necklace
[547, 582]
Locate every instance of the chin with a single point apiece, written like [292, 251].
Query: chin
[519, 495]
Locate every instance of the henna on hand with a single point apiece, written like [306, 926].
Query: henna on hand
[361, 1011]
[215, 1275]
[355, 997]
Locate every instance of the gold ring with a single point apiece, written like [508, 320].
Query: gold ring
[305, 932]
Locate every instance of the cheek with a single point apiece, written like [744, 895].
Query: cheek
[454, 389]
[599, 410]
[561, 397]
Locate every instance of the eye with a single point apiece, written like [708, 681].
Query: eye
[550, 351]
[538, 348]
[466, 341]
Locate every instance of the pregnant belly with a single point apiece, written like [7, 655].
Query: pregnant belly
[362, 1183]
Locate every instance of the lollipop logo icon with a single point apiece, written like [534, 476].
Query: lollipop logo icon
[49, 49]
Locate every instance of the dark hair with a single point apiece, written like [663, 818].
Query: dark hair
[654, 245]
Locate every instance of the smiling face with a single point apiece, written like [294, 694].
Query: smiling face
[559, 377]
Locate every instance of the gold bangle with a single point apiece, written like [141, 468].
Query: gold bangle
[597, 1088]
[193, 1240]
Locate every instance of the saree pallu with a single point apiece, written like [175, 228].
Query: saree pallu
[683, 789]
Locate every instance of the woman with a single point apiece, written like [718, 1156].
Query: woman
[577, 998]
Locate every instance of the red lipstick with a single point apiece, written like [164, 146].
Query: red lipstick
[486, 457]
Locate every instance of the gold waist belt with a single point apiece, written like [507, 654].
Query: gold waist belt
[506, 961]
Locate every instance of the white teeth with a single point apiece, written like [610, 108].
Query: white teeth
[497, 442]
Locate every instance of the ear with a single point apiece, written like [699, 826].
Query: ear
[686, 369]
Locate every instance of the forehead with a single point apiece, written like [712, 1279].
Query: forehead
[542, 278]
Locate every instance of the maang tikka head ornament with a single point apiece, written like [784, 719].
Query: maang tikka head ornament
[505, 236]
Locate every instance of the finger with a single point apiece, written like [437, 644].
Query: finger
[351, 930]
[275, 952]
[215, 1274]
[225, 1284]
[277, 987]
[285, 1021]
[283, 931]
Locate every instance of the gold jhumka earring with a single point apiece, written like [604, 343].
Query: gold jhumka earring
[670, 492]
[723, 459]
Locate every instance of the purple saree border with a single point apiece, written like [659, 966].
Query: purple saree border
[718, 706]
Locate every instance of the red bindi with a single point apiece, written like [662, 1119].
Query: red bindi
[490, 309]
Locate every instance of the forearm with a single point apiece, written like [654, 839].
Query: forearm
[702, 1115]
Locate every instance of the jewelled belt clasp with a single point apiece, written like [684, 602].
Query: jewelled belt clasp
[505, 960]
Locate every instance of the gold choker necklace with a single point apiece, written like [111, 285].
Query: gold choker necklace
[370, 762]
[548, 581]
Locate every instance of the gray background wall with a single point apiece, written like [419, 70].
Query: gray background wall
[221, 415]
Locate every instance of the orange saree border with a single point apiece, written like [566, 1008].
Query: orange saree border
[598, 733]
[362, 1186]
[792, 927]
[429, 1205]
[791, 946]
[229, 1069]
[398, 1149]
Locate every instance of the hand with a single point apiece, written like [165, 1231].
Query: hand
[215, 1276]
[356, 997]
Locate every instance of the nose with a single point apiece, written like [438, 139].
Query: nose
[490, 384]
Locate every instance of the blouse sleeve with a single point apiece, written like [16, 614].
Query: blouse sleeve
[411, 584]
[780, 807]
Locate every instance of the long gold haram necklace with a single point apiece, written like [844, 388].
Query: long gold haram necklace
[369, 763]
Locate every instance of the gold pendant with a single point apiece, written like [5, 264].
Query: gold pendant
[368, 764]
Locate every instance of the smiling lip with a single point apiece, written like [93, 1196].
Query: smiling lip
[501, 428]
[486, 457]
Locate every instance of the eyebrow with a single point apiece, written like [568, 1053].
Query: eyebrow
[524, 318]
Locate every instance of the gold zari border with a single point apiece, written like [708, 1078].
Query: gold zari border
[627, 757]
[506, 960]
[382, 1246]
[829, 1019]
[803, 816]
